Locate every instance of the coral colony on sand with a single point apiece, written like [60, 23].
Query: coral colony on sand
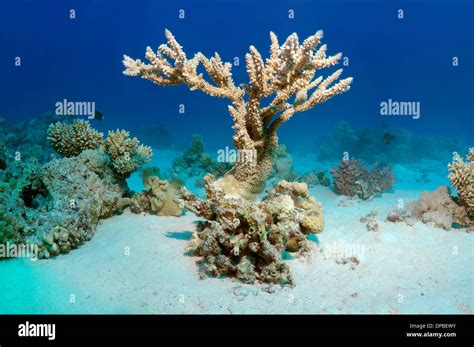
[353, 178]
[461, 175]
[243, 237]
[288, 73]
[439, 208]
[56, 206]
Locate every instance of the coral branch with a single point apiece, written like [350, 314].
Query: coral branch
[287, 78]
[461, 175]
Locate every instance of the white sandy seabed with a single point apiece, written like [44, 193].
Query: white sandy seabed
[138, 264]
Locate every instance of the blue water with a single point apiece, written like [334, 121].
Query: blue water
[80, 59]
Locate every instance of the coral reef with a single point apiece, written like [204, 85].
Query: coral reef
[368, 144]
[461, 175]
[439, 209]
[159, 197]
[27, 138]
[244, 239]
[126, 154]
[3, 154]
[57, 206]
[353, 178]
[315, 177]
[195, 162]
[287, 78]
[70, 140]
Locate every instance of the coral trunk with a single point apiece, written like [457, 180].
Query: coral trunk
[247, 177]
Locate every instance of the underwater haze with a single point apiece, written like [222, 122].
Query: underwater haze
[80, 59]
[366, 187]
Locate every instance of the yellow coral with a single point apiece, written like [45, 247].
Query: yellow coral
[163, 195]
[312, 224]
[70, 140]
[461, 175]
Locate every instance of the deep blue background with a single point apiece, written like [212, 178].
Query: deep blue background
[80, 60]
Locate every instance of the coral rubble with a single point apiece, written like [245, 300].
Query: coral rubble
[57, 206]
[353, 178]
[288, 76]
[370, 221]
[244, 239]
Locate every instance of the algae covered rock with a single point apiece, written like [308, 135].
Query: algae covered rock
[246, 239]
[57, 206]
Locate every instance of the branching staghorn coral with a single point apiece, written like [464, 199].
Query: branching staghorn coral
[70, 140]
[126, 154]
[288, 77]
[244, 239]
[461, 175]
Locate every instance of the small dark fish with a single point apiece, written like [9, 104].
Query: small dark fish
[387, 138]
[98, 115]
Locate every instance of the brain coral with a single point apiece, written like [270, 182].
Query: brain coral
[70, 140]
[461, 175]
[126, 154]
